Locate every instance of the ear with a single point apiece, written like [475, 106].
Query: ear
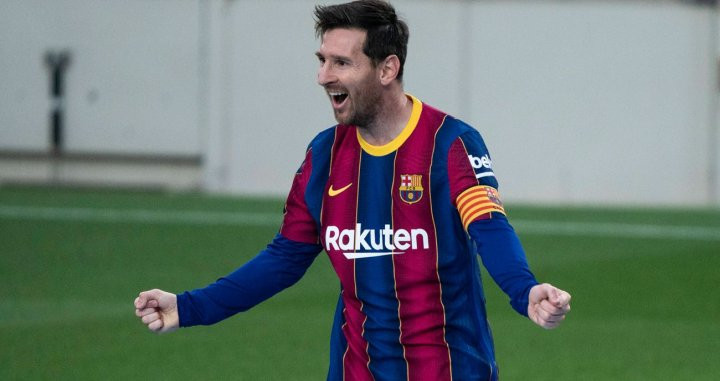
[389, 69]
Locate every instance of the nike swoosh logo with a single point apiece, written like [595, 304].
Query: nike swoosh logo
[334, 192]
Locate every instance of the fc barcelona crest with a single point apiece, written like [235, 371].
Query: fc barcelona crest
[493, 196]
[411, 190]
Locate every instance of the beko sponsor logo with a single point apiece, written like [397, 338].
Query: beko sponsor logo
[481, 164]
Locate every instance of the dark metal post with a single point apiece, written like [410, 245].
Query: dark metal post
[57, 62]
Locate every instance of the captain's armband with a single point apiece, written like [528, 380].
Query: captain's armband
[477, 203]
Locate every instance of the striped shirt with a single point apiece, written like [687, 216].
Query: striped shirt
[401, 224]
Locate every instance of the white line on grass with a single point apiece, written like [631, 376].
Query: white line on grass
[24, 313]
[564, 228]
[617, 229]
[139, 215]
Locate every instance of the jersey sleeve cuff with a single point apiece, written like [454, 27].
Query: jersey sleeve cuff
[184, 308]
[521, 304]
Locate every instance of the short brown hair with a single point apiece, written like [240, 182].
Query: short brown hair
[386, 33]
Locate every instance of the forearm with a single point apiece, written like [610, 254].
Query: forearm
[504, 258]
[277, 267]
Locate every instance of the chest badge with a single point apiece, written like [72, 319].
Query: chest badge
[411, 190]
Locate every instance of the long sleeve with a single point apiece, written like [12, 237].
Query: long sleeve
[504, 258]
[473, 189]
[277, 267]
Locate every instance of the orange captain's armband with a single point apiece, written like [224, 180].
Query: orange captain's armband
[477, 201]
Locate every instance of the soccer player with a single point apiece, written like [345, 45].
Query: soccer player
[402, 197]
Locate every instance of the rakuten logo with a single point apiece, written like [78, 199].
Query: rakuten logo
[365, 243]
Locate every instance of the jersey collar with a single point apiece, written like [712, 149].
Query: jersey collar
[400, 139]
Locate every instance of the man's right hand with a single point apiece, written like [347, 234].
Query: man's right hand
[158, 310]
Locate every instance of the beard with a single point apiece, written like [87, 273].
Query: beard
[365, 107]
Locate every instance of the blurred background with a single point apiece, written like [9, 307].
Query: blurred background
[580, 102]
[150, 144]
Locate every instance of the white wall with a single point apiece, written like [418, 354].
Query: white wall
[579, 102]
[132, 86]
[596, 101]
[274, 106]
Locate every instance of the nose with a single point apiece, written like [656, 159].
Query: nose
[325, 75]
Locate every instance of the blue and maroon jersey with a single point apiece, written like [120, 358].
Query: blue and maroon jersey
[401, 224]
[394, 222]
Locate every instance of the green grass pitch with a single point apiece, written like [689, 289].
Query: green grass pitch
[644, 285]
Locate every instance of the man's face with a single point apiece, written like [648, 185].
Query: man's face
[349, 77]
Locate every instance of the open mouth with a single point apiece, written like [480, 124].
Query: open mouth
[338, 98]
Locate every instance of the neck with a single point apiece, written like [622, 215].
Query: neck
[392, 117]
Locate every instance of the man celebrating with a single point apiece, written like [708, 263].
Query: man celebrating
[401, 196]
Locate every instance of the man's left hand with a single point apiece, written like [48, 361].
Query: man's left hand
[548, 305]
